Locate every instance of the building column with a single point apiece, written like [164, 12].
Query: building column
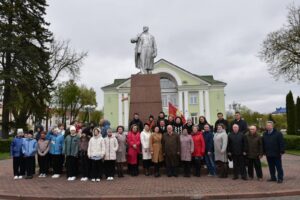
[126, 110]
[207, 107]
[201, 103]
[186, 104]
[120, 109]
[180, 105]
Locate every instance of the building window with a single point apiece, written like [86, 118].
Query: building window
[166, 83]
[166, 98]
[193, 98]
[194, 118]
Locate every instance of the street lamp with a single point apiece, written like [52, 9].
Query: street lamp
[89, 109]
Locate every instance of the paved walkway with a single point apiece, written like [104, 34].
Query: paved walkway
[150, 187]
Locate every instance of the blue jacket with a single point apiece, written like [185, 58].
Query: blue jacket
[16, 147]
[56, 143]
[209, 141]
[29, 147]
[106, 125]
[273, 143]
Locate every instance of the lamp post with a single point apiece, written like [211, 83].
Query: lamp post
[89, 109]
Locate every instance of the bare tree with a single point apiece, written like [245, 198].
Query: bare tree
[281, 49]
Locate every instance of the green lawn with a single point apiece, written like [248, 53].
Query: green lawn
[293, 152]
[4, 156]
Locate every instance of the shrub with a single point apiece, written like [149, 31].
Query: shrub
[292, 142]
[5, 145]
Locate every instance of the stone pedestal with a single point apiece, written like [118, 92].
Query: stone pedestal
[145, 96]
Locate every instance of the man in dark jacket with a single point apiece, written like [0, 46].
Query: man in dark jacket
[273, 146]
[243, 127]
[162, 127]
[237, 149]
[160, 117]
[136, 120]
[221, 120]
[254, 153]
[209, 150]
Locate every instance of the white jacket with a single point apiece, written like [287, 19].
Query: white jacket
[145, 140]
[111, 147]
[96, 147]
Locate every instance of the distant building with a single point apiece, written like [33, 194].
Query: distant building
[279, 111]
[193, 94]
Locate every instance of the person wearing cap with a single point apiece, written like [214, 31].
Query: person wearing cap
[17, 155]
[29, 149]
[145, 140]
[56, 146]
[70, 150]
[96, 152]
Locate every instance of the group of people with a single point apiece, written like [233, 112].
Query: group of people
[97, 151]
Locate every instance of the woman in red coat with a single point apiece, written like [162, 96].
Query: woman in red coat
[134, 146]
[199, 149]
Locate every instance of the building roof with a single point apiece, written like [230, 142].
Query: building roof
[280, 110]
[208, 78]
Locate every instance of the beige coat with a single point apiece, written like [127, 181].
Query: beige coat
[156, 147]
[111, 147]
[220, 145]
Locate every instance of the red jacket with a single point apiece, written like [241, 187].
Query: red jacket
[132, 156]
[199, 144]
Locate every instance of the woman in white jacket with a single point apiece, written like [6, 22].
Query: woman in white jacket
[145, 140]
[111, 147]
[220, 147]
[96, 152]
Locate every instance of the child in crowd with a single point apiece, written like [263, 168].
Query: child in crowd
[16, 153]
[96, 152]
[43, 156]
[83, 157]
[29, 148]
[70, 150]
[56, 147]
[111, 147]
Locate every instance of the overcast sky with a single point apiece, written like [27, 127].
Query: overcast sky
[218, 37]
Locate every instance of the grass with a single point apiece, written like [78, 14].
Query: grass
[4, 155]
[293, 152]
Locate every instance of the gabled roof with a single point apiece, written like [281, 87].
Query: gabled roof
[208, 78]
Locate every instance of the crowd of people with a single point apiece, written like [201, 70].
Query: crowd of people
[95, 152]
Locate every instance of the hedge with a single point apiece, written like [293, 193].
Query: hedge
[5, 145]
[292, 142]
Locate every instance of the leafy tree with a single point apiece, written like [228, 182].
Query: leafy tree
[290, 109]
[281, 48]
[24, 56]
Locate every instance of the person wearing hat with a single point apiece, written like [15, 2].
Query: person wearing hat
[29, 149]
[145, 140]
[71, 149]
[17, 155]
[56, 146]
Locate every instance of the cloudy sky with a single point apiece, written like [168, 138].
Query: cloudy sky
[217, 37]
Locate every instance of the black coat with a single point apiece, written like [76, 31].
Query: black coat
[243, 127]
[163, 129]
[273, 143]
[222, 121]
[189, 128]
[137, 122]
[237, 144]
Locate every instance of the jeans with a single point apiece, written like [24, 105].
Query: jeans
[210, 163]
[275, 164]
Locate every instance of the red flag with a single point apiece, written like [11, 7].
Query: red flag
[173, 111]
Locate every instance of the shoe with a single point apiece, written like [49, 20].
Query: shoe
[20, 177]
[44, 175]
[244, 178]
[209, 175]
[93, 180]
[111, 178]
[279, 181]
[69, 178]
[235, 178]
[16, 177]
[56, 176]
[272, 180]
[260, 179]
[108, 179]
[84, 179]
[73, 178]
[98, 179]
